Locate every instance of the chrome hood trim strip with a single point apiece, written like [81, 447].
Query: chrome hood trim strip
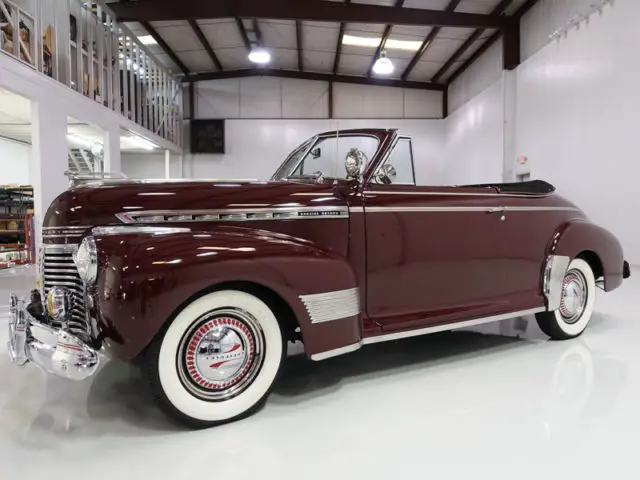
[234, 215]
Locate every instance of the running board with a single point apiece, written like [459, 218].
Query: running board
[387, 337]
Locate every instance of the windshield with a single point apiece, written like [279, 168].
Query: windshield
[325, 156]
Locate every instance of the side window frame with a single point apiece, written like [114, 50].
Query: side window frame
[374, 178]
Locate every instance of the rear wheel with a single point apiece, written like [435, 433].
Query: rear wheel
[217, 360]
[576, 304]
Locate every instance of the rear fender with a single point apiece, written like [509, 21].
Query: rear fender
[577, 236]
[145, 279]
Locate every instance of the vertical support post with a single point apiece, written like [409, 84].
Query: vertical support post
[100, 41]
[49, 156]
[192, 101]
[510, 106]
[109, 67]
[137, 77]
[144, 75]
[112, 156]
[445, 102]
[124, 76]
[131, 78]
[180, 166]
[330, 99]
[167, 163]
[511, 45]
[91, 53]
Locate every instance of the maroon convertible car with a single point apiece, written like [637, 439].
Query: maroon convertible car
[204, 282]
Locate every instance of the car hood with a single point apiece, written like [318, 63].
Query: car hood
[98, 203]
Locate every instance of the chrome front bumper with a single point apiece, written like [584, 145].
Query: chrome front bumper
[53, 350]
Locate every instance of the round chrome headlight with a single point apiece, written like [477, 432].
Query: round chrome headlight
[86, 260]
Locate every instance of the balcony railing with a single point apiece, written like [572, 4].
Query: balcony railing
[80, 45]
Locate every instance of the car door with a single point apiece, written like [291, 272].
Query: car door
[434, 254]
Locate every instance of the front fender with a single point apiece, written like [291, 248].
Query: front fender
[577, 236]
[145, 279]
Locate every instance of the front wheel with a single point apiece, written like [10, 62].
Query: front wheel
[576, 304]
[217, 360]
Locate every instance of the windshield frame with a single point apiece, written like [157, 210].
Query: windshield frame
[313, 141]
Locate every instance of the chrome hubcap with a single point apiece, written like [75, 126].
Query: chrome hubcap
[220, 356]
[574, 296]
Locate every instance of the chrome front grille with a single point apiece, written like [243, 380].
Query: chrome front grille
[59, 270]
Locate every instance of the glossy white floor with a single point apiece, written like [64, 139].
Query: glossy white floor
[501, 402]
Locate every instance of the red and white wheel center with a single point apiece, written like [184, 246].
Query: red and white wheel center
[220, 353]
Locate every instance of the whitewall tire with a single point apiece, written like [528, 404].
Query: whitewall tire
[576, 306]
[217, 360]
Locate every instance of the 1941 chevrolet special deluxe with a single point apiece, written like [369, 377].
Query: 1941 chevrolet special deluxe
[204, 282]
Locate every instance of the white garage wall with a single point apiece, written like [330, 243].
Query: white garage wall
[255, 148]
[14, 162]
[269, 97]
[474, 134]
[577, 117]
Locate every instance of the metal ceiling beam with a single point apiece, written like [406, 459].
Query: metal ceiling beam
[315, 10]
[205, 43]
[167, 49]
[491, 40]
[497, 11]
[324, 77]
[336, 59]
[453, 4]
[243, 34]
[383, 40]
[299, 44]
[257, 33]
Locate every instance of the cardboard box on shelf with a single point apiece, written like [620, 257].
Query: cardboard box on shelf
[47, 39]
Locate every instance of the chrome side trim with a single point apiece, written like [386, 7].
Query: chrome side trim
[460, 194]
[329, 306]
[335, 352]
[57, 232]
[554, 272]
[460, 209]
[423, 331]
[449, 326]
[235, 215]
[133, 230]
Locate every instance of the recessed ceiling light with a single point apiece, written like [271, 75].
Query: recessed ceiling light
[259, 55]
[147, 40]
[374, 42]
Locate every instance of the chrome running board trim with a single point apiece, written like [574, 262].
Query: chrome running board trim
[387, 337]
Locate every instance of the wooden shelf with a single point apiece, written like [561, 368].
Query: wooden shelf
[11, 231]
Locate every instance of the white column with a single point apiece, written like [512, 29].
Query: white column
[49, 157]
[112, 160]
[167, 163]
[510, 105]
[180, 166]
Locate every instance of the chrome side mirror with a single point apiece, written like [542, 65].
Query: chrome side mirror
[387, 174]
[354, 163]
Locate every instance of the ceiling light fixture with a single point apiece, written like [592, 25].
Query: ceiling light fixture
[259, 55]
[147, 40]
[374, 42]
[81, 140]
[383, 65]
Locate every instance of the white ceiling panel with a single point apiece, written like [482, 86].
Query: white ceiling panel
[223, 34]
[197, 61]
[364, 29]
[319, 38]
[281, 34]
[477, 6]
[427, 4]
[234, 58]
[284, 59]
[315, 61]
[354, 64]
[179, 36]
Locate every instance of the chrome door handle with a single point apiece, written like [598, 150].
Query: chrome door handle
[496, 210]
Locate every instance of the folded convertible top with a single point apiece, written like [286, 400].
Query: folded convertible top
[533, 187]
